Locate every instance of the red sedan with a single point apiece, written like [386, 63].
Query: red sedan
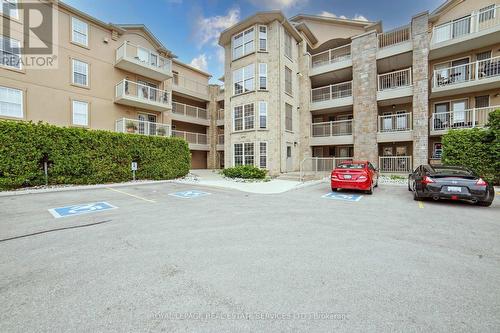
[355, 175]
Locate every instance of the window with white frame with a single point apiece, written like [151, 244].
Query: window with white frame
[487, 13]
[262, 114]
[243, 153]
[238, 118]
[248, 116]
[263, 155]
[243, 43]
[288, 117]
[80, 73]
[262, 76]
[482, 101]
[79, 32]
[288, 45]
[80, 113]
[243, 79]
[262, 38]
[10, 52]
[288, 81]
[9, 8]
[11, 102]
[244, 117]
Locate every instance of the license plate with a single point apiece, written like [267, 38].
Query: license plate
[347, 176]
[454, 189]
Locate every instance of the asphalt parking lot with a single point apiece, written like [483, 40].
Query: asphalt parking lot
[233, 261]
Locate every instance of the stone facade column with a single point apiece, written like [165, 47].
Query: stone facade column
[420, 40]
[304, 102]
[213, 92]
[364, 89]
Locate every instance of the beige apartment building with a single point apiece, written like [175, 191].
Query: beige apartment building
[111, 77]
[307, 92]
[300, 94]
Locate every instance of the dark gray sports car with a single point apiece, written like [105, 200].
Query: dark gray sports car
[450, 182]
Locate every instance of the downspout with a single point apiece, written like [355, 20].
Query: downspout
[280, 97]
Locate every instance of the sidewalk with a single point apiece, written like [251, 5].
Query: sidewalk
[213, 178]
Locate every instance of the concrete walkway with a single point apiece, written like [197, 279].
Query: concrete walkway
[213, 178]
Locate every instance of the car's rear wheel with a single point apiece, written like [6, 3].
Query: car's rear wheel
[485, 203]
[416, 197]
[370, 191]
[334, 189]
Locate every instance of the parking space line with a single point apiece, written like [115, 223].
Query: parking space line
[131, 195]
[420, 204]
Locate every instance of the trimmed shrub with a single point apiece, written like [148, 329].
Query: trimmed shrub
[476, 149]
[81, 156]
[245, 172]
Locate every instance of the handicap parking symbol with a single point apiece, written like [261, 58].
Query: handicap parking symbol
[342, 197]
[189, 194]
[80, 209]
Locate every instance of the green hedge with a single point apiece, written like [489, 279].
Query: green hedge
[477, 149]
[245, 172]
[80, 156]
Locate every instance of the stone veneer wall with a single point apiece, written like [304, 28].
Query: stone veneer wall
[364, 88]
[420, 38]
[213, 92]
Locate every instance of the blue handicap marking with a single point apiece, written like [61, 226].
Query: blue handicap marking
[80, 209]
[343, 197]
[189, 194]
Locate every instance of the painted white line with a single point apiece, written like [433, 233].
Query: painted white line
[131, 195]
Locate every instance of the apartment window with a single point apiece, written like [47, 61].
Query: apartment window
[11, 102]
[243, 154]
[487, 13]
[10, 53]
[288, 117]
[80, 113]
[80, 72]
[238, 118]
[9, 8]
[249, 116]
[243, 79]
[79, 32]
[262, 76]
[482, 101]
[263, 155]
[288, 45]
[175, 78]
[288, 81]
[243, 43]
[483, 55]
[262, 38]
[262, 114]
[244, 117]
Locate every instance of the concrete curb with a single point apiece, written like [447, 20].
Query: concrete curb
[80, 187]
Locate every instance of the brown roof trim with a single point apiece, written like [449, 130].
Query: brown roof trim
[120, 28]
[180, 63]
[302, 26]
[443, 8]
[258, 18]
[299, 17]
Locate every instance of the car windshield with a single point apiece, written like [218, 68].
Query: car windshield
[351, 166]
[452, 171]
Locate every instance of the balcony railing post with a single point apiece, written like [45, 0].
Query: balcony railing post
[331, 128]
[474, 117]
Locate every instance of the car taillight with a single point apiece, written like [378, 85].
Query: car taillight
[362, 177]
[334, 176]
[427, 180]
[481, 182]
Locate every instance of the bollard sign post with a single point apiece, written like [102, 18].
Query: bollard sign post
[134, 169]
